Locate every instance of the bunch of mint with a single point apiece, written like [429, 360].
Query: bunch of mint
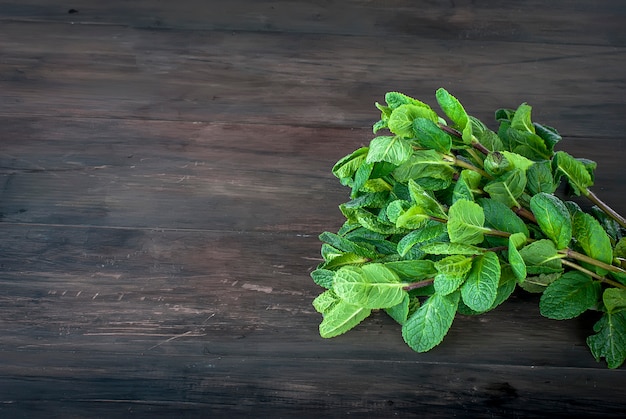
[448, 216]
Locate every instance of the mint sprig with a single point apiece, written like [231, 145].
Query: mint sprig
[447, 216]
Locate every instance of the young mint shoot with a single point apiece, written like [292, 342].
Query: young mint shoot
[448, 217]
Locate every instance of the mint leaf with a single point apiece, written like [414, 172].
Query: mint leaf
[516, 260]
[452, 108]
[574, 170]
[412, 270]
[592, 238]
[324, 302]
[370, 286]
[447, 248]
[433, 230]
[394, 150]
[609, 342]
[465, 222]
[481, 285]
[500, 217]
[522, 119]
[539, 178]
[397, 99]
[507, 188]
[430, 136]
[323, 277]
[341, 318]
[553, 218]
[423, 199]
[614, 299]
[451, 272]
[400, 312]
[569, 296]
[427, 327]
[401, 119]
[541, 253]
[466, 185]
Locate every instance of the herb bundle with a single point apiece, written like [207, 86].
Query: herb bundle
[448, 216]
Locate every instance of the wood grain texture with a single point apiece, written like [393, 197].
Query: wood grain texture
[165, 172]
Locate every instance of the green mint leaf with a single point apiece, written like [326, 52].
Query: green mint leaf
[400, 312]
[466, 222]
[569, 296]
[412, 270]
[592, 238]
[423, 199]
[394, 150]
[413, 218]
[433, 230]
[485, 136]
[538, 283]
[527, 144]
[499, 162]
[447, 248]
[397, 99]
[343, 259]
[347, 166]
[451, 272]
[427, 327]
[507, 188]
[371, 222]
[521, 120]
[516, 260]
[549, 135]
[539, 178]
[396, 208]
[324, 302]
[541, 253]
[498, 216]
[574, 170]
[553, 218]
[480, 288]
[323, 277]
[346, 245]
[430, 136]
[466, 185]
[370, 286]
[401, 119]
[452, 108]
[609, 342]
[341, 318]
[614, 299]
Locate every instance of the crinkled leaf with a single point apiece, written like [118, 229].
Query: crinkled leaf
[346, 245]
[569, 296]
[574, 170]
[609, 342]
[541, 253]
[528, 145]
[539, 178]
[466, 222]
[401, 119]
[323, 277]
[431, 231]
[507, 188]
[394, 150]
[370, 286]
[614, 299]
[427, 327]
[447, 248]
[341, 318]
[481, 285]
[324, 302]
[397, 99]
[451, 272]
[553, 218]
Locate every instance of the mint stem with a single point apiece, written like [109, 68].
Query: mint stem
[608, 210]
[419, 284]
[584, 258]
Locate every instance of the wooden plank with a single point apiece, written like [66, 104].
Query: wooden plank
[572, 22]
[298, 79]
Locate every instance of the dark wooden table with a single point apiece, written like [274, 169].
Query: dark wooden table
[165, 172]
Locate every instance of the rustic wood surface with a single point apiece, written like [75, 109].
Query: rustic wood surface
[165, 172]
